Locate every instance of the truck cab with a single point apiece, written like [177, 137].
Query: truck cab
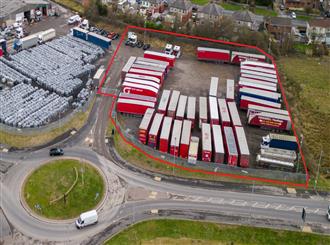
[19, 32]
[177, 51]
[132, 39]
[85, 24]
[169, 49]
[265, 142]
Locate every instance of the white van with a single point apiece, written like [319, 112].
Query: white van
[74, 19]
[87, 218]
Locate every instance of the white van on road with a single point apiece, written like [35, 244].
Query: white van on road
[87, 218]
[74, 19]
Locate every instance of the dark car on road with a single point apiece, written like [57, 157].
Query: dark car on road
[56, 152]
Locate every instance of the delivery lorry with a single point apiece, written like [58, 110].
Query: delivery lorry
[280, 141]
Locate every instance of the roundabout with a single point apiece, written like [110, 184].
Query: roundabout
[63, 188]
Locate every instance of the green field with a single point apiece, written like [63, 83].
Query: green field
[200, 2]
[175, 232]
[307, 86]
[53, 179]
[265, 12]
[233, 7]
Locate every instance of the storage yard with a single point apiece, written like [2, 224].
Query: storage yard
[215, 106]
[44, 82]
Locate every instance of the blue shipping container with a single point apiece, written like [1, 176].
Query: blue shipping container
[259, 97]
[99, 40]
[288, 145]
[80, 33]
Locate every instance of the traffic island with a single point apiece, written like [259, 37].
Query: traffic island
[64, 188]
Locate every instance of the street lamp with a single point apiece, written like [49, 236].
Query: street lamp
[301, 143]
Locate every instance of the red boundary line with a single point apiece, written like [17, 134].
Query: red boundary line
[236, 176]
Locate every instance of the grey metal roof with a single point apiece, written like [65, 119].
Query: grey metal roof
[181, 4]
[212, 9]
[245, 16]
[280, 21]
[8, 7]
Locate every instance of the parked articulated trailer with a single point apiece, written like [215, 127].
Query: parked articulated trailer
[127, 66]
[160, 56]
[155, 130]
[281, 141]
[134, 88]
[191, 110]
[133, 106]
[156, 74]
[254, 109]
[180, 113]
[213, 54]
[260, 78]
[142, 82]
[193, 150]
[175, 138]
[260, 94]
[256, 85]
[279, 154]
[270, 120]
[137, 97]
[255, 73]
[224, 113]
[149, 68]
[247, 100]
[185, 139]
[214, 86]
[259, 69]
[203, 115]
[160, 62]
[172, 107]
[164, 139]
[235, 119]
[263, 161]
[258, 64]
[238, 57]
[218, 146]
[230, 146]
[243, 147]
[163, 103]
[206, 142]
[251, 80]
[230, 93]
[143, 77]
[145, 125]
[214, 112]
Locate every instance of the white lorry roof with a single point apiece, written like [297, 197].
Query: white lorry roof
[261, 101]
[140, 62]
[186, 132]
[191, 108]
[266, 109]
[230, 89]
[143, 82]
[176, 133]
[193, 147]
[214, 86]
[214, 113]
[223, 109]
[257, 86]
[139, 71]
[262, 74]
[136, 102]
[129, 64]
[143, 77]
[166, 63]
[217, 139]
[259, 69]
[230, 141]
[148, 67]
[140, 86]
[169, 56]
[146, 120]
[181, 106]
[234, 114]
[206, 136]
[260, 92]
[155, 126]
[164, 100]
[137, 97]
[203, 107]
[251, 80]
[166, 129]
[258, 64]
[261, 78]
[241, 141]
[213, 50]
[174, 100]
[272, 115]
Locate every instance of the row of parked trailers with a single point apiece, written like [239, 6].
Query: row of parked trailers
[92, 37]
[142, 79]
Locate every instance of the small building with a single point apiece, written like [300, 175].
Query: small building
[246, 18]
[279, 27]
[301, 4]
[211, 12]
[11, 10]
[182, 9]
[318, 30]
[151, 6]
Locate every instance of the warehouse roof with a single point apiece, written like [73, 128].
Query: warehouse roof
[212, 9]
[9, 7]
[245, 15]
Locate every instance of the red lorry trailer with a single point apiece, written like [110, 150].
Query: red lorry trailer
[206, 142]
[258, 64]
[191, 110]
[243, 147]
[132, 106]
[259, 69]
[235, 119]
[145, 125]
[175, 138]
[219, 151]
[213, 54]
[134, 88]
[259, 78]
[164, 138]
[214, 112]
[230, 93]
[163, 103]
[143, 77]
[160, 56]
[156, 74]
[256, 73]
[247, 100]
[254, 109]
[171, 110]
[149, 68]
[257, 84]
[230, 146]
[160, 62]
[155, 130]
[224, 113]
[181, 107]
[143, 82]
[270, 120]
[203, 115]
[127, 66]
[137, 97]
[238, 57]
[214, 86]
[185, 139]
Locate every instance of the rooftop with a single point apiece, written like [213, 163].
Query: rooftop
[245, 15]
[181, 4]
[11, 6]
[280, 21]
[325, 23]
[212, 9]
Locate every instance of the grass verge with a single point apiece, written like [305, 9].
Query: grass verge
[53, 179]
[172, 232]
[21, 141]
[200, 2]
[265, 12]
[232, 7]
[72, 5]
